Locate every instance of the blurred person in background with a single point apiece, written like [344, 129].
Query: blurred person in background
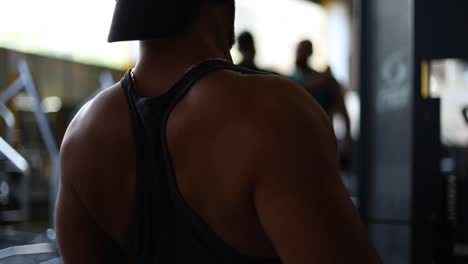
[326, 91]
[191, 159]
[246, 46]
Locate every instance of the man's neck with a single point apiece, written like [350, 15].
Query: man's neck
[164, 61]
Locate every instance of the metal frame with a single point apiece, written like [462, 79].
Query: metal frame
[21, 165]
[27, 250]
[25, 81]
[361, 11]
[9, 120]
[106, 81]
[34, 249]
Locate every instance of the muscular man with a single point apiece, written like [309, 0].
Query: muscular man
[190, 159]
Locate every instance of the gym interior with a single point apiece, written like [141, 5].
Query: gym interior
[402, 66]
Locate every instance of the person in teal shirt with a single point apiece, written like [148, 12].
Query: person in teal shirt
[323, 87]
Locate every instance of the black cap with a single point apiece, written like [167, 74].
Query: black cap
[150, 19]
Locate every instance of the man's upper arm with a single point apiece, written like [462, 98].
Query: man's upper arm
[300, 199]
[87, 200]
[80, 239]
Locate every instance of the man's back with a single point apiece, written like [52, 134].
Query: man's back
[220, 105]
[252, 159]
[228, 128]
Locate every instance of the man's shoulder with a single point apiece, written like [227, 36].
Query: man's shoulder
[231, 101]
[98, 118]
[251, 94]
[99, 133]
[96, 159]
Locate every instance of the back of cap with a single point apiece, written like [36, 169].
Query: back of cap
[150, 19]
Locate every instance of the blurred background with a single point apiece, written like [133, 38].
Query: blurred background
[396, 91]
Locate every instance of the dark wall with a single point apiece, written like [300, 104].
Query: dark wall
[66, 79]
[401, 183]
[388, 126]
[442, 28]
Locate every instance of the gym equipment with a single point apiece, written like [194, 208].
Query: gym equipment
[25, 81]
[21, 165]
[14, 200]
[34, 253]
[106, 81]
[53, 261]
[401, 184]
[13, 156]
[9, 120]
[27, 250]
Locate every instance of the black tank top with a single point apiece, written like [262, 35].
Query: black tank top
[164, 229]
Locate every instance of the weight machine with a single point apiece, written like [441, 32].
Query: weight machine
[25, 82]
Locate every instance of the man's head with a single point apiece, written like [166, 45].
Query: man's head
[154, 19]
[246, 44]
[305, 50]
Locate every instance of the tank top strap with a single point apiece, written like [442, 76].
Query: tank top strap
[199, 71]
[136, 122]
[151, 232]
[136, 237]
[185, 215]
